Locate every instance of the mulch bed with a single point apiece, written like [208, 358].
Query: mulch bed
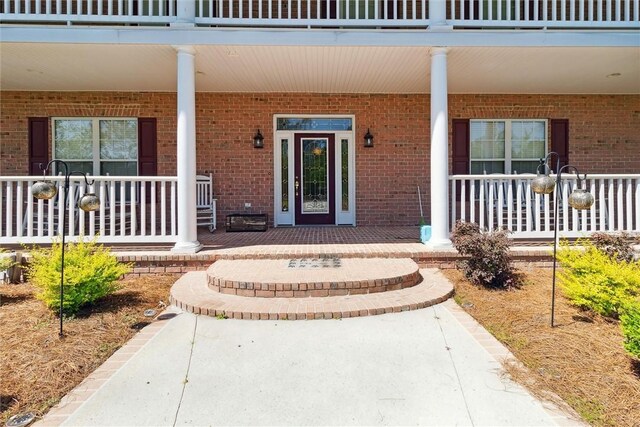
[38, 368]
[581, 360]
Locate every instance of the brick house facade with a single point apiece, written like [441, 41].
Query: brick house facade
[604, 137]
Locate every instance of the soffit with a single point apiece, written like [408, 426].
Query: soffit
[68, 67]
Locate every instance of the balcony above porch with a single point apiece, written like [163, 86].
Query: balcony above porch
[378, 15]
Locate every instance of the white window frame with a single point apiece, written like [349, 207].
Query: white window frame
[96, 160]
[508, 160]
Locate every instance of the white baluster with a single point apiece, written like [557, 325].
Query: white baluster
[637, 201]
[612, 206]
[71, 220]
[9, 209]
[163, 208]
[174, 201]
[602, 206]
[143, 208]
[92, 214]
[134, 202]
[565, 210]
[103, 203]
[472, 200]
[463, 196]
[593, 211]
[620, 204]
[29, 209]
[482, 207]
[629, 206]
[547, 212]
[112, 208]
[453, 201]
[510, 203]
[123, 208]
[19, 208]
[152, 226]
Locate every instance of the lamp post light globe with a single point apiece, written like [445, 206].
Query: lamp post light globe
[581, 199]
[44, 190]
[543, 184]
[89, 202]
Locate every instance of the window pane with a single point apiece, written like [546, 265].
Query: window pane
[284, 172]
[118, 139]
[524, 166]
[73, 139]
[479, 168]
[487, 140]
[527, 139]
[344, 152]
[85, 167]
[119, 168]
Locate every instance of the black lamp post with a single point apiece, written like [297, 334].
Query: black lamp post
[578, 199]
[46, 190]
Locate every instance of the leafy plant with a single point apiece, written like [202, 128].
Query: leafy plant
[630, 323]
[593, 280]
[488, 263]
[90, 273]
[616, 246]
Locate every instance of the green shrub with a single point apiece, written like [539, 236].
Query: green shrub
[630, 323]
[618, 246]
[90, 273]
[488, 263]
[593, 280]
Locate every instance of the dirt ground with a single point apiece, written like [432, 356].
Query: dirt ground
[581, 359]
[38, 368]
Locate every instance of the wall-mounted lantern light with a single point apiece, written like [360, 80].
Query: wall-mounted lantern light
[368, 139]
[258, 140]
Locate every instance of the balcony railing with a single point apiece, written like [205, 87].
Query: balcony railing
[133, 209]
[507, 201]
[373, 14]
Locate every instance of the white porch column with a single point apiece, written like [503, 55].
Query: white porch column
[437, 12]
[186, 142]
[439, 150]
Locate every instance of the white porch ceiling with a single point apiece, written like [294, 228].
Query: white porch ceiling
[84, 67]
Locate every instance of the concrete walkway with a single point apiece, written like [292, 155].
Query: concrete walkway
[434, 366]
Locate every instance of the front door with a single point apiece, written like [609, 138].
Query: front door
[314, 184]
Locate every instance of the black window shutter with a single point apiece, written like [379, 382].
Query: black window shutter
[560, 140]
[38, 143]
[147, 147]
[460, 149]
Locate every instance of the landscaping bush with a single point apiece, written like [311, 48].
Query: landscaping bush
[90, 273]
[616, 246]
[488, 263]
[6, 261]
[630, 323]
[593, 280]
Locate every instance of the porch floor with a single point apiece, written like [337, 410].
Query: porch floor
[313, 235]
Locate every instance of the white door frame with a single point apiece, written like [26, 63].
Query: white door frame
[287, 218]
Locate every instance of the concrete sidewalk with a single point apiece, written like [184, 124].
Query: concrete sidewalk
[434, 366]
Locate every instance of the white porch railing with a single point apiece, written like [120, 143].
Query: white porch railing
[507, 201]
[375, 14]
[592, 14]
[133, 210]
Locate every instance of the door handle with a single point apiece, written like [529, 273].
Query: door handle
[297, 185]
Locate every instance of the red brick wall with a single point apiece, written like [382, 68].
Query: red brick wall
[604, 137]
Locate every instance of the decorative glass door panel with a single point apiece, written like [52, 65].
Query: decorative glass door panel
[314, 183]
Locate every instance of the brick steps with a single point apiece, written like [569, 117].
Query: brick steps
[311, 277]
[191, 293]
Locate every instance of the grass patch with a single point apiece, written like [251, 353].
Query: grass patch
[582, 359]
[38, 368]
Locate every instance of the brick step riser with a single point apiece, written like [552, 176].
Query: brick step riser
[320, 289]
